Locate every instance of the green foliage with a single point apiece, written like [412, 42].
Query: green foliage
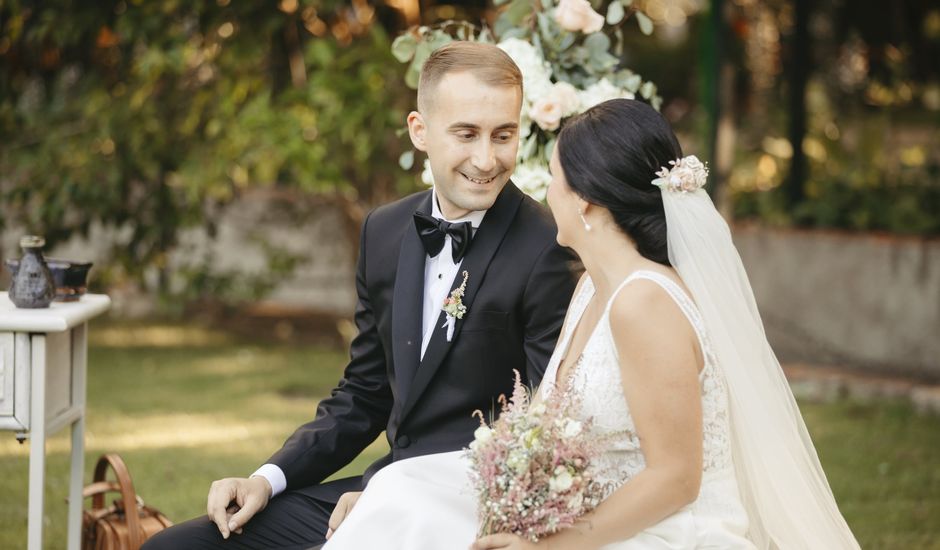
[871, 171]
[148, 116]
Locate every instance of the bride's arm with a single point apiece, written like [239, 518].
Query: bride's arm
[659, 363]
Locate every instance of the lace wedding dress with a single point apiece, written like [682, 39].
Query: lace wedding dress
[426, 503]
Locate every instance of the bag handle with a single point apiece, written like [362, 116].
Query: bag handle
[99, 486]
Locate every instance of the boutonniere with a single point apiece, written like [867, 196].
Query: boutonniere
[454, 308]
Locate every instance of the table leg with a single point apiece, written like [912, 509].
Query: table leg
[76, 477]
[37, 441]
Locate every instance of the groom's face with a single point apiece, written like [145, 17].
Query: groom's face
[470, 131]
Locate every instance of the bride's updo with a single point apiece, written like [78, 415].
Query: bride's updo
[610, 154]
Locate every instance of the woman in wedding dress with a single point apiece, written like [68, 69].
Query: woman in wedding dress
[664, 344]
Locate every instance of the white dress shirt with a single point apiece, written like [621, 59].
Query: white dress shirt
[439, 274]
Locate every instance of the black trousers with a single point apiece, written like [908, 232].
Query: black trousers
[294, 520]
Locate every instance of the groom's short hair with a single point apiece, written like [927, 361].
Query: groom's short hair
[487, 62]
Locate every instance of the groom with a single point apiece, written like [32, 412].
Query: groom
[415, 370]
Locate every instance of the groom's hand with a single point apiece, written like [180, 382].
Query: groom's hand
[343, 507]
[235, 500]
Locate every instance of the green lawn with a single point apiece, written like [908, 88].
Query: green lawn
[184, 406]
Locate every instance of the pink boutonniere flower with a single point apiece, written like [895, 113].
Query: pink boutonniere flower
[454, 307]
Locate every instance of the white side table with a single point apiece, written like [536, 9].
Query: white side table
[42, 389]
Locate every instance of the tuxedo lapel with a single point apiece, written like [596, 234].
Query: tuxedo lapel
[408, 303]
[484, 245]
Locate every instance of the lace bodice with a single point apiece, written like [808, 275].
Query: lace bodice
[596, 377]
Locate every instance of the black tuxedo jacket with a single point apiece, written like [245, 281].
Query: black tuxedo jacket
[520, 282]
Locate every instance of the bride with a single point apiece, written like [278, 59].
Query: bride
[664, 343]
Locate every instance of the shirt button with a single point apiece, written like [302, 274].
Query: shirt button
[403, 441]
[440, 275]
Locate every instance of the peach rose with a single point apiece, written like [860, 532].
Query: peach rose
[547, 113]
[578, 15]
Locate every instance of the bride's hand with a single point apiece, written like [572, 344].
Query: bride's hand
[343, 507]
[503, 541]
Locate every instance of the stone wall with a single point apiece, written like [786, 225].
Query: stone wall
[869, 301]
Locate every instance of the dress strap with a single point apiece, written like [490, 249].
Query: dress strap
[678, 295]
[685, 303]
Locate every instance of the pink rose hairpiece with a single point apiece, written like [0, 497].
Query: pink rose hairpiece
[687, 175]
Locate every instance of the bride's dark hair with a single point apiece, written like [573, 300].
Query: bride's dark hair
[610, 154]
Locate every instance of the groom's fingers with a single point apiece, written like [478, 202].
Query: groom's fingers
[221, 494]
[343, 507]
[252, 497]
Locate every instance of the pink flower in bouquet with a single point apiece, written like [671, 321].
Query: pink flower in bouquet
[531, 468]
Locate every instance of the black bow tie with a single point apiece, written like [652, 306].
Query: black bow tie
[433, 232]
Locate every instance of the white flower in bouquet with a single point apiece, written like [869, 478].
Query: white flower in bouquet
[578, 16]
[482, 434]
[572, 428]
[533, 178]
[561, 481]
[536, 71]
[601, 91]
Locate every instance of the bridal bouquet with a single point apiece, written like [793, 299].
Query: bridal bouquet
[570, 58]
[531, 468]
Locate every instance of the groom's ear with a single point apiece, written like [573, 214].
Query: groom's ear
[417, 130]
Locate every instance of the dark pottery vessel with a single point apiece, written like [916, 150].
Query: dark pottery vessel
[70, 277]
[32, 286]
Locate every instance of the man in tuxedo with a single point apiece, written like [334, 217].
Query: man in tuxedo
[415, 370]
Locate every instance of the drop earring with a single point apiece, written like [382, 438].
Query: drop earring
[587, 226]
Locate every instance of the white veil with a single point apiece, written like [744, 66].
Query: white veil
[783, 487]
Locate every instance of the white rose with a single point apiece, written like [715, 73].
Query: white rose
[546, 112]
[533, 179]
[536, 72]
[538, 408]
[601, 91]
[578, 15]
[567, 96]
[483, 434]
[561, 481]
[572, 428]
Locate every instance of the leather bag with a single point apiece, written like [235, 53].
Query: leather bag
[110, 527]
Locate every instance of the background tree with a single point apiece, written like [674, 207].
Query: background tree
[151, 116]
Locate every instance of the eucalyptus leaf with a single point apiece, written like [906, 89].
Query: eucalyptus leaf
[647, 90]
[545, 26]
[645, 23]
[407, 160]
[597, 43]
[549, 149]
[403, 48]
[567, 40]
[528, 148]
[615, 13]
[517, 11]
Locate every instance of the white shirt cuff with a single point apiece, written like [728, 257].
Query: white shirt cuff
[275, 477]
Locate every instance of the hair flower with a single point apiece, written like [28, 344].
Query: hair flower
[687, 175]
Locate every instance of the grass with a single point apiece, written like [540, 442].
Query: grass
[184, 406]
